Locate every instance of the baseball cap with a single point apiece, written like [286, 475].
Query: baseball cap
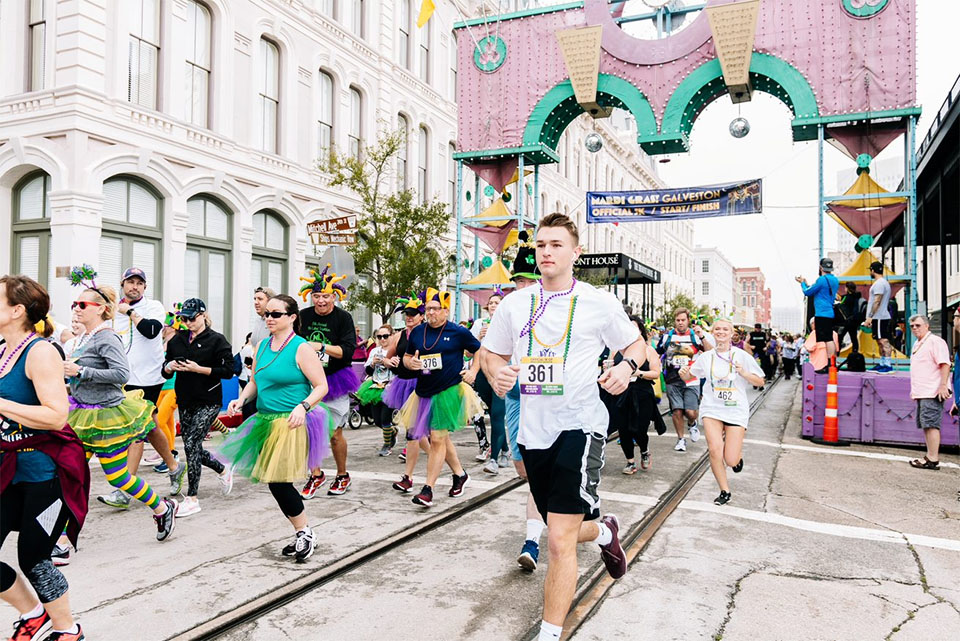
[826, 264]
[134, 272]
[192, 307]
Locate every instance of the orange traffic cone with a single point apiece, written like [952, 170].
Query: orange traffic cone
[831, 430]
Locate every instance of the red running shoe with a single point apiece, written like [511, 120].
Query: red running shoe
[405, 484]
[459, 482]
[425, 498]
[312, 485]
[66, 636]
[28, 629]
[612, 554]
[340, 485]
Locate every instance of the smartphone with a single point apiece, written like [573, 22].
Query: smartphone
[180, 359]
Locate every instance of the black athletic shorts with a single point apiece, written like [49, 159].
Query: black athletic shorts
[564, 478]
[823, 328]
[881, 328]
[150, 392]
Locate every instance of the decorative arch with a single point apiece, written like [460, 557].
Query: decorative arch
[559, 107]
[705, 84]
[18, 159]
[216, 187]
[145, 166]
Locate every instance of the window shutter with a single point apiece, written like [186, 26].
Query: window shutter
[115, 200]
[191, 274]
[110, 268]
[29, 257]
[143, 206]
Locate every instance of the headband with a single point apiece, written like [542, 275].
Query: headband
[323, 283]
[85, 276]
[441, 297]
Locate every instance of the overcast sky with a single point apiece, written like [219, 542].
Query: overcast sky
[783, 240]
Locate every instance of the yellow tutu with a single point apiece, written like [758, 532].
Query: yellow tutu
[447, 411]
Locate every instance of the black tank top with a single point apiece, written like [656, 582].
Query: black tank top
[400, 370]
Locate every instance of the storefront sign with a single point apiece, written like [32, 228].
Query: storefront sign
[674, 204]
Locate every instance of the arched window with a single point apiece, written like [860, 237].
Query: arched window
[31, 228]
[132, 234]
[422, 159]
[268, 97]
[325, 117]
[453, 66]
[269, 265]
[207, 273]
[404, 126]
[37, 23]
[144, 53]
[355, 135]
[403, 33]
[198, 65]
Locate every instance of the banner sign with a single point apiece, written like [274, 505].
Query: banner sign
[674, 204]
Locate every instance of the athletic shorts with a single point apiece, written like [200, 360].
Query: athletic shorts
[929, 413]
[150, 392]
[683, 397]
[823, 327]
[881, 328]
[564, 478]
[339, 410]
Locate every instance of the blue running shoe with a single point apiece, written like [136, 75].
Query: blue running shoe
[529, 555]
[161, 468]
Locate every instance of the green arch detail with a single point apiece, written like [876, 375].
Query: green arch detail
[705, 84]
[559, 107]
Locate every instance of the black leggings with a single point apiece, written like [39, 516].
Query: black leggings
[195, 422]
[635, 432]
[288, 498]
[37, 511]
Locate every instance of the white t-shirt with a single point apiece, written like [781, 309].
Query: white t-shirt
[598, 321]
[145, 354]
[725, 392]
[381, 374]
[245, 352]
[880, 288]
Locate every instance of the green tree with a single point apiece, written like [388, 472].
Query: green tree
[665, 312]
[398, 238]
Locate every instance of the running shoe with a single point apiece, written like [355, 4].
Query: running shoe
[738, 467]
[630, 468]
[166, 521]
[188, 507]
[612, 554]
[304, 545]
[176, 478]
[28, 629]
[313, 484]
[425, 498]
[529, 555]
[459, 482]
[290, 549]
[694, 432]
[483, 455]
[644, 460]
[162, 467]
[681, 445]
[340, 485]
[386, 450]
[503, 460]
[491, 467]
[403, 456]
[115, 499]
[722, 499]
[405, 484]
[60, 555]
[152, 458]
[226, 480]
[66, 636]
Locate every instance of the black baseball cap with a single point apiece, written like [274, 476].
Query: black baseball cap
[826, 264]
[192, 307]
[134, 272]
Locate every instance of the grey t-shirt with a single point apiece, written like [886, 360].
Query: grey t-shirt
[880, 288]
[105, 370]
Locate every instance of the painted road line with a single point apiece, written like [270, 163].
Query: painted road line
[830, 450]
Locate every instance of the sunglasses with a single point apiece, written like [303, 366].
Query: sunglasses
[411, 312]
[383, 336]
[82, 304]
[276, 314]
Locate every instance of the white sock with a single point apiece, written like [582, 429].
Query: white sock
[534, 529]
[74, 630]
[549, 632]
[605, 537]
[37, 611]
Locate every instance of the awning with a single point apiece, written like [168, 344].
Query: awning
[481, 286]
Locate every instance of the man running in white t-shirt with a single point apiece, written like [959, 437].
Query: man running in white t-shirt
[554, 332]
[139, 324]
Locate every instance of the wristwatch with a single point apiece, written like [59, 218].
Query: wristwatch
[632, 363]
[130, 312]
[305, 405]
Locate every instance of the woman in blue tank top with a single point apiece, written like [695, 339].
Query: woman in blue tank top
[290, 433]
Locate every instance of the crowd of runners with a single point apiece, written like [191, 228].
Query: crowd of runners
[555, 367]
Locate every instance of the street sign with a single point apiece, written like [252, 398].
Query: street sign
[334, 238]
[334, 231]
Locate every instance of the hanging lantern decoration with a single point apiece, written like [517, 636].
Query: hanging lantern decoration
[485, 262]
[507, 197]
[468, 196]
[488, 191]
[739, 127]
[864, 243]
[593, 142]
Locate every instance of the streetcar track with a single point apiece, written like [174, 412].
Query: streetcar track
[276, 598]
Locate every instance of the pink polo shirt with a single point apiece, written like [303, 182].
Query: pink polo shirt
[925, 361]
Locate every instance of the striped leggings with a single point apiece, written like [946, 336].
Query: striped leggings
[118, 475]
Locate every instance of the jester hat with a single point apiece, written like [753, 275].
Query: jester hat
[325, 282]
[443, 298]
[174, 319]
[525, 264]
[415, 301]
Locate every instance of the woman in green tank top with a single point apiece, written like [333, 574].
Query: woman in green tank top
[290, 433]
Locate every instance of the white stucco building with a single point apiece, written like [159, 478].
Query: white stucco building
[713, 284]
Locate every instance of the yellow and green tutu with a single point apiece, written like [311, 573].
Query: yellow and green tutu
[107, 429]
[370, 393]
[447, 411]
[266, 450]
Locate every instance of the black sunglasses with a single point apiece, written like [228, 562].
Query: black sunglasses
[412, 312]
[276, 314]
[383, 335]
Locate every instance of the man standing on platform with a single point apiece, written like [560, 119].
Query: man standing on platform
[878, 315]
[823, 291]
[929, 387]
[554, 332]
[139, 324]
[331, 332]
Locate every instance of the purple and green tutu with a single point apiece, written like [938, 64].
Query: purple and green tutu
[266, 450]
[398, 391]
[370, 393]
[341, 383]
[103, 430]
[447, 411]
